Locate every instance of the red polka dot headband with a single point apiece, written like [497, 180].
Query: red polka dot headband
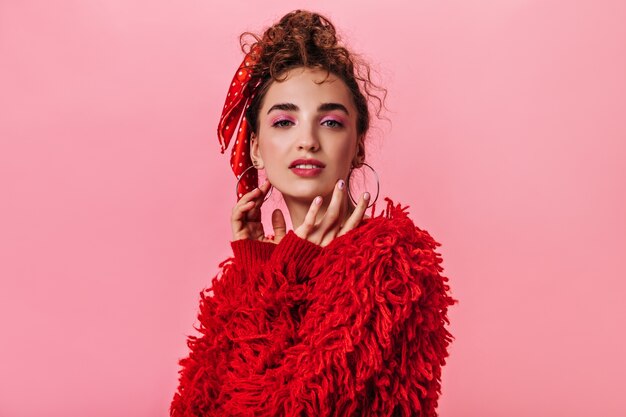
[240, 93]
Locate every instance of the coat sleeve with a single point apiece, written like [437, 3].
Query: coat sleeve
[201, 371]
[373, 337]
[227, 317]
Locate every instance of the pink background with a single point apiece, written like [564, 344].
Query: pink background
[507, 140]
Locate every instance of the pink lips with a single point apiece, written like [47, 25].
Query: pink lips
[307, 172]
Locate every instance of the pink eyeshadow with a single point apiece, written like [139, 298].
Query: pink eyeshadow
[281, 118]
[334, 117]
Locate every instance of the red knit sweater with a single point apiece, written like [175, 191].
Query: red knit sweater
[355, 328]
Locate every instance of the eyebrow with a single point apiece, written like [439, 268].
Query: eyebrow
[322, 107]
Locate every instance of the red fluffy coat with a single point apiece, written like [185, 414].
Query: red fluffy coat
[355, 328]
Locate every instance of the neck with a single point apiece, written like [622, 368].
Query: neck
[298, 208]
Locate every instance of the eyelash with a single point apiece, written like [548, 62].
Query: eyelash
[338, 123]
[279, 125]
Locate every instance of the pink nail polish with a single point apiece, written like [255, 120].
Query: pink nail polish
[341, 184]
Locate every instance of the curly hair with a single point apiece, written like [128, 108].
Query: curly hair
[303, 38]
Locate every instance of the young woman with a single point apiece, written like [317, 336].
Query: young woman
[344, 315]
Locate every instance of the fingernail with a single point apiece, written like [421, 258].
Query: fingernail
[317, 200]
[341, 184]
[366, 196]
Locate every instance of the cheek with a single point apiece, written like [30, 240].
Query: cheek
[269, 149]
[347, 150]
[273, 153]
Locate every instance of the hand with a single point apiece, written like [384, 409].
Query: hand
[329, 227]
[246, 217]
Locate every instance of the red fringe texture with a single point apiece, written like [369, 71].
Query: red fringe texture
[355, 328]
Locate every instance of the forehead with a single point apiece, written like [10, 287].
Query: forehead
[312, 86]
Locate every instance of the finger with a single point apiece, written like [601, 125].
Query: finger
[246, 212]
[240, 210]
[248, 205]
[256, 194]
[333, 211]
[357, 215]
[259, 198]
[279, 225]
[308, 225]
[251, 195]
[265, 187]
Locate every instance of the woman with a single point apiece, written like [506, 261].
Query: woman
[343, 315]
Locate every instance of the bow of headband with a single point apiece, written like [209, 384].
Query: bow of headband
[240, 93]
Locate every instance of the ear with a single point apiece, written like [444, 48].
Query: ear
[255, 154]
[358, 159]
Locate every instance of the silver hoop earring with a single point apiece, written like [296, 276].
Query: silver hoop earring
[377, 185]
[241, 176]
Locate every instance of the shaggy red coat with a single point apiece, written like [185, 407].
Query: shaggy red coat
[355, 328]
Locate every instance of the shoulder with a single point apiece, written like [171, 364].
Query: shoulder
[389, 241]
[392, 228]
[387, 250]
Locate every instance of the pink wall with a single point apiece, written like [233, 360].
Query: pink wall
[507, 140]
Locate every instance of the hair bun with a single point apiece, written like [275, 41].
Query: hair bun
[307, 39]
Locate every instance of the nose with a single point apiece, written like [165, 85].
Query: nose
[309, 140]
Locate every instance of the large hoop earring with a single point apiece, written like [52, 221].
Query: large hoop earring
[377, 185]
[239, 179]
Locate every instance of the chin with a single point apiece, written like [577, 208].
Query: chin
[301, 196]
[303, 193]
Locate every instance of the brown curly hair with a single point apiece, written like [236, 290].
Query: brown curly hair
[303, 38]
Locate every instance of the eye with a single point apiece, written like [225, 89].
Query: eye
[282, 123]
[332, 123]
